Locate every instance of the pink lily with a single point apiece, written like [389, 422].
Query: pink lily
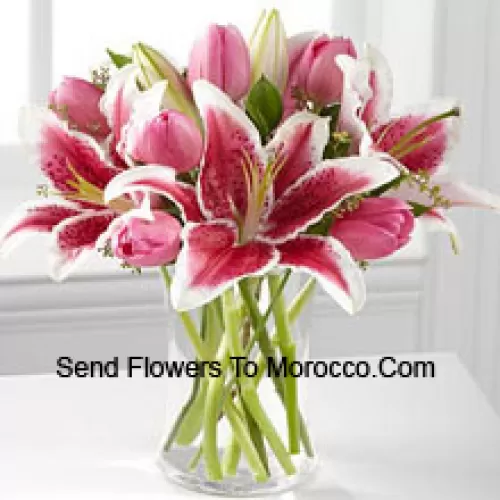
[117, 105]
[419, 140]
[253, 204]
[77, 172]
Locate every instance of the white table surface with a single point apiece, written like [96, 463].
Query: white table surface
[378, 438]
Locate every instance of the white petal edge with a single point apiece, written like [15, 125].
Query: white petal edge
[59, 265]
[183, 298]
[461, 194]
[122, 183]
[378, 170]
[380, 66]
[319, 136]
[125, 79]
[437, 222]
[351, 272]
[7, 246]
[208, 96]
[33, 119]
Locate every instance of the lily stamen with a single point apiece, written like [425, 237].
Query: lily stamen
[405, 140]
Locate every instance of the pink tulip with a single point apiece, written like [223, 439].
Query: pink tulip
[169, 138]
[142, 243]
[376, 229]
[222, 58]
[77, 101]
[317, 74]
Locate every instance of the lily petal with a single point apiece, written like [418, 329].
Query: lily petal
[211, 261]
[74, 239]
[435, 221]
[458, 193]
[60, 152]
[34, 217]
[231, 142]
[328, 261]
[429, 149]
[377, 109]
[461, 194]
[322, 189]
[159, 180]
[355, 94]
[298, 146]
[118, 99]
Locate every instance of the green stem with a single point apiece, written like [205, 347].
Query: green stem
[288, 350]
[211, 417]
[180, 419]
[231, 458]
[190, 327]
[301, 300]
[193, 463]
[245, 442]
[267, 350]
[247, 389]
[232, 454]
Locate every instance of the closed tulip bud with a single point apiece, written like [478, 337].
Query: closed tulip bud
[145, 243]
[221, 57]
[317, 75]
[77, 101]
[154, 67]
[169, 138]
[268, 50]
[376, 229]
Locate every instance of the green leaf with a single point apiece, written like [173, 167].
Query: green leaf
[119, 60]
[332, 111]
[264, 106]
[418, 209]
[322, 228]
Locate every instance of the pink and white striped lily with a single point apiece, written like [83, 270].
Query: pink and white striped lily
[251, 205]
[420, 140]
[77, 172]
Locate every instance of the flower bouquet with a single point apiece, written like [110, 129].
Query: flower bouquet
[256, 162]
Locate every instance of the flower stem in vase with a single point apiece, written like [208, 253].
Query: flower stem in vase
[247, 389]
[288, 350]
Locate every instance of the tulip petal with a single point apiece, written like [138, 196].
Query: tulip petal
[211, 261]
[365, 241]
[34, 217]
[322, 189]
[157, 137]
[60, 152]
[159, 180]
[231, 140]
[298, 147]
[328, 261]
[429, 149]
[74, 239]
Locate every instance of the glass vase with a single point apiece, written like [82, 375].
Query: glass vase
[236, 404]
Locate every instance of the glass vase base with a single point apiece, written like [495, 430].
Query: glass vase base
[175, 465]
